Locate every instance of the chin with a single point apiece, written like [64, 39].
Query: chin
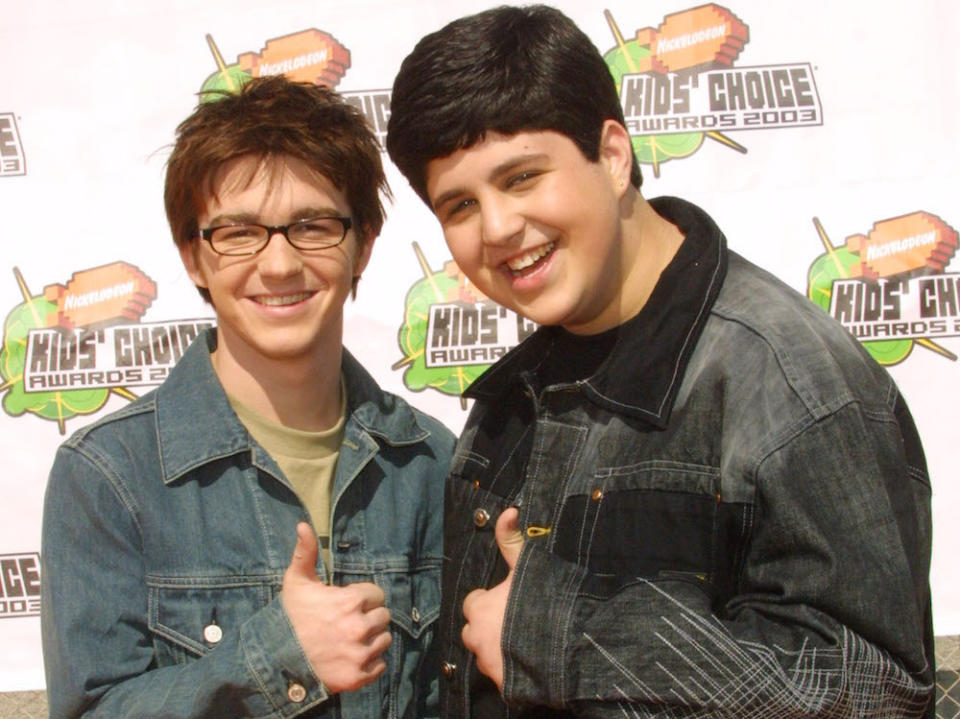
[285, 350]
[539, 319]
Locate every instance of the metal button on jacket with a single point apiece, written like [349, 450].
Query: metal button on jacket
[296, 693]
[212, 633]
[480, 518]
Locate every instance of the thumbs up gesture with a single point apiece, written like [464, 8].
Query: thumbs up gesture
[343, 630]
[484, 609]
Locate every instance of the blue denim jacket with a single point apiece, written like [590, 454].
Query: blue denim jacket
[730, 517]
[165, 519]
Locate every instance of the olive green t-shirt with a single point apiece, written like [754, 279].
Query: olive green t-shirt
[307, 459]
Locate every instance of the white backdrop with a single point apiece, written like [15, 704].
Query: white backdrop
[91, 92]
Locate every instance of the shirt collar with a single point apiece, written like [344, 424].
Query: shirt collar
[196, 425]
[643, 371]
[380, 413]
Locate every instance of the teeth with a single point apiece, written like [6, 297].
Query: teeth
[518, 264]
[279, 300]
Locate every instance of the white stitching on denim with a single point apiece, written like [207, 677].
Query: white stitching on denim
[624, 706]
[593, 530]
[731, 678]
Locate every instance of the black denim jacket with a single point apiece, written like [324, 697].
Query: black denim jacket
[730, 517]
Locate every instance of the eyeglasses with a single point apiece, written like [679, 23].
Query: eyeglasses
[317, 233]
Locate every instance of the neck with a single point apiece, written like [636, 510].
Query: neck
[302, 393]
[649, 244]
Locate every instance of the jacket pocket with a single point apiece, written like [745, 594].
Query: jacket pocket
[643, 520]
[189, 616]
[468, 466]
[413, 598]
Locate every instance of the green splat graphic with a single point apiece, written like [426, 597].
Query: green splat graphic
[823, 272]
[230, 80]
[413, 341]
[650, 149]
[53, 405]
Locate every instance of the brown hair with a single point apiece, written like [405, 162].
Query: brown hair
[269, 118]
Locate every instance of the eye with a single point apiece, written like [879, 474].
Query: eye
[232, 233]
[319, 226]
[522, 178]
[458, 208]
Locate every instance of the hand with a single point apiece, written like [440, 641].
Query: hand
[343, 630]
[484, 608]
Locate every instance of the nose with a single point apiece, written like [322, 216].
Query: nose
[279, 258]
[501, 220]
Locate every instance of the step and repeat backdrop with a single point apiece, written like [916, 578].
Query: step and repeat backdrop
[820, 135]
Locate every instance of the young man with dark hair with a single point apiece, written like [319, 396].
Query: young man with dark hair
[690, 492]
[261, 535]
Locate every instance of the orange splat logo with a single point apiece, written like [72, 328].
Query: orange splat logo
[118, 292]
[918, 243]
[307, 56]
[701, 38]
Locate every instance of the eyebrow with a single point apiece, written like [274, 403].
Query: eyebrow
[500, 170]
[303, 213]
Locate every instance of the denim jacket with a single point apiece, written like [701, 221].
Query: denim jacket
[729, 518]
[166, 533]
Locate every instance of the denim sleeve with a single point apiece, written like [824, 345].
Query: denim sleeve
[830, 617]
[98, 650]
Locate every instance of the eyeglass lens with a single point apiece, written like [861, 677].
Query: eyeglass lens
[311, 234]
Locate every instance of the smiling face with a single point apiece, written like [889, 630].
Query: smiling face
[536, 226]
[281, 304]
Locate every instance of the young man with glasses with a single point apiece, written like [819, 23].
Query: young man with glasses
[724, 504]
[261, 535]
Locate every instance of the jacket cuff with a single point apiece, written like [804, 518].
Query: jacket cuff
[536, 628]
[278, 664]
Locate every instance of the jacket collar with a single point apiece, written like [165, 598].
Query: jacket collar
[641, 375]
[196, 425]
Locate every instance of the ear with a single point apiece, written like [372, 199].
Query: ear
[188, 255]
[616, 153]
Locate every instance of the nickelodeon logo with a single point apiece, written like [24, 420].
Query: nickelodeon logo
[310, 56]
[306, 56]
[60, 329]
[102, 295]
[889, 287]
[918, 242]
[704, 37]
[452, 332]
[677, 85]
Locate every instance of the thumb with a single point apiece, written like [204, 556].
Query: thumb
[304, 559]
[509, 537]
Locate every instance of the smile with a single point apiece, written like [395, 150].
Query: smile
[281, 300]
[528, 259]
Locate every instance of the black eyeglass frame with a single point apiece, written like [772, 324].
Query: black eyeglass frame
[206, 233]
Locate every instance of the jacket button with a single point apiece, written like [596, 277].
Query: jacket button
[448, 669]
[212, 633]
[296, 693]
[480, 518]
[415, 615]
[597, 494]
